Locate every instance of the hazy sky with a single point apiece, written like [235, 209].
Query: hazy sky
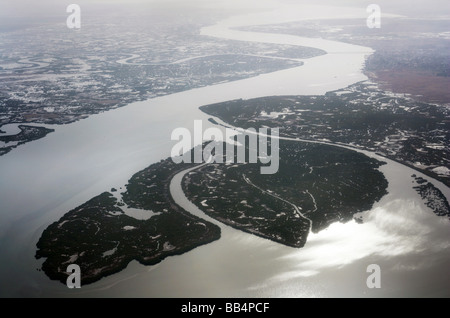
[21, 8]
[25, 13]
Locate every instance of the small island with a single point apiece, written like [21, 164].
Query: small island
[27, 133]
[432, 196]
[106, 233]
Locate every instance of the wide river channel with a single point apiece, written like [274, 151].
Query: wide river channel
[42, 180]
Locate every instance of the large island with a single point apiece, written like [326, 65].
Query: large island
[315, 186]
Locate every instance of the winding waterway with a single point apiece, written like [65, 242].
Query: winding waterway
[43, 180]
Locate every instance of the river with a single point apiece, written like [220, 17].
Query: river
[44, 179]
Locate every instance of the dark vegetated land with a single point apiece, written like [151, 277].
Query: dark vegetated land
[100, 238]
[414, 133]
[315, 186]
[27, 133]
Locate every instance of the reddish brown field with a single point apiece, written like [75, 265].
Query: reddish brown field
[424, 87]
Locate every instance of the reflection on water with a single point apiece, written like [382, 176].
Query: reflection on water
[400, 234]
[398, 228]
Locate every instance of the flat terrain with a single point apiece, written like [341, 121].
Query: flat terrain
[412, 55]
[84, 73]
[424, 86]
[316, 185]
[106, 233]
[362, 115]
